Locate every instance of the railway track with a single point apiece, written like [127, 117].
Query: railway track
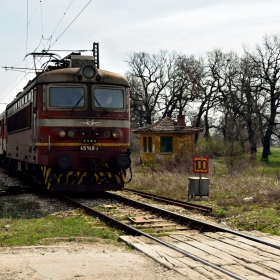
[197, 249]
[186, 205]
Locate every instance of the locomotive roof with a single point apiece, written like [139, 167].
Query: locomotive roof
[65, 71]
[69, 75]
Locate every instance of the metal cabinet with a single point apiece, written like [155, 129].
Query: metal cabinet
[198, 186]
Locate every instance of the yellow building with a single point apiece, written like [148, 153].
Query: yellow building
[167, 140]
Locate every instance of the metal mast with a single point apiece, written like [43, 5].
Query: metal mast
[95, 51]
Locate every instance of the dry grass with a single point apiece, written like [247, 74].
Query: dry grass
[247, 200]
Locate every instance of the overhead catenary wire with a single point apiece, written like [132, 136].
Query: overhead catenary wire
[48, 44]
[28, 22]
[58, 36]
[50, 38]
[26, 41]
[15, 84]
[62, 17]
[71, 22]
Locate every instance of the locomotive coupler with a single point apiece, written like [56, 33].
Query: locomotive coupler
[92, 165]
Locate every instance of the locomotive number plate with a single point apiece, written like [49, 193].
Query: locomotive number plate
[88, 148]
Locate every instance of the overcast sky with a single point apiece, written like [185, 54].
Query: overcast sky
[190, 27]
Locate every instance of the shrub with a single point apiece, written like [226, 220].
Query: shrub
[210, 148]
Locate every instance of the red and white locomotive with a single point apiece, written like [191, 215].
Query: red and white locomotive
[70, 127]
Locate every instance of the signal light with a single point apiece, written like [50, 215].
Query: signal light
[115, 134]
[71, 133]
[62, 133]
[107, 134]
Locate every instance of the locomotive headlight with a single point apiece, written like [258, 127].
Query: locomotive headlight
[62, 133]
[116, 134]
[89, 72]
[107, 134]
[71, 133]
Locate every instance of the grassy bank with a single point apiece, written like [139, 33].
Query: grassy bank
[247, 199]
[24, 222]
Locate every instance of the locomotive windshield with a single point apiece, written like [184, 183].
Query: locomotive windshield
[108, 98]
[67, 97]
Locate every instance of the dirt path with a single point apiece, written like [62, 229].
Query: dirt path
[79, 261]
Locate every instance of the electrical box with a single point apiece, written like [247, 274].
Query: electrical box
[198, 186]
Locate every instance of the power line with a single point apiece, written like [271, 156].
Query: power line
[42, 26]
[71, 22]
[14, 86]
[28, 21]
[63, 16]
[26, 30]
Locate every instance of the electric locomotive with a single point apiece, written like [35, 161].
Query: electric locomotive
[70, 126]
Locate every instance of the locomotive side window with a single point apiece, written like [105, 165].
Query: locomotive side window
[29, 95]
[66, 97]
[109, 98]
[20, 120]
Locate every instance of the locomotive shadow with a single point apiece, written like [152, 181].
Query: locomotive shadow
[40, 203]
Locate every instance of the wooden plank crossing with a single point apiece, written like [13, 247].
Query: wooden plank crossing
[245, 258]
[250, 246]
[171, 259]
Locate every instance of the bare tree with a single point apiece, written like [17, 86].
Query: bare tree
[149, 76]
[239, 96]
[201, 90]
[248, 96]
[223, 70]
[266, 63]
[176, 97]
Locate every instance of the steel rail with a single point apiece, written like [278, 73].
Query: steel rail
[190, 222]
[186, 205]
[135, 231]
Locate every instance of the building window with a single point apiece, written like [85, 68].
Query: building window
[148, 144]
[166, 144]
